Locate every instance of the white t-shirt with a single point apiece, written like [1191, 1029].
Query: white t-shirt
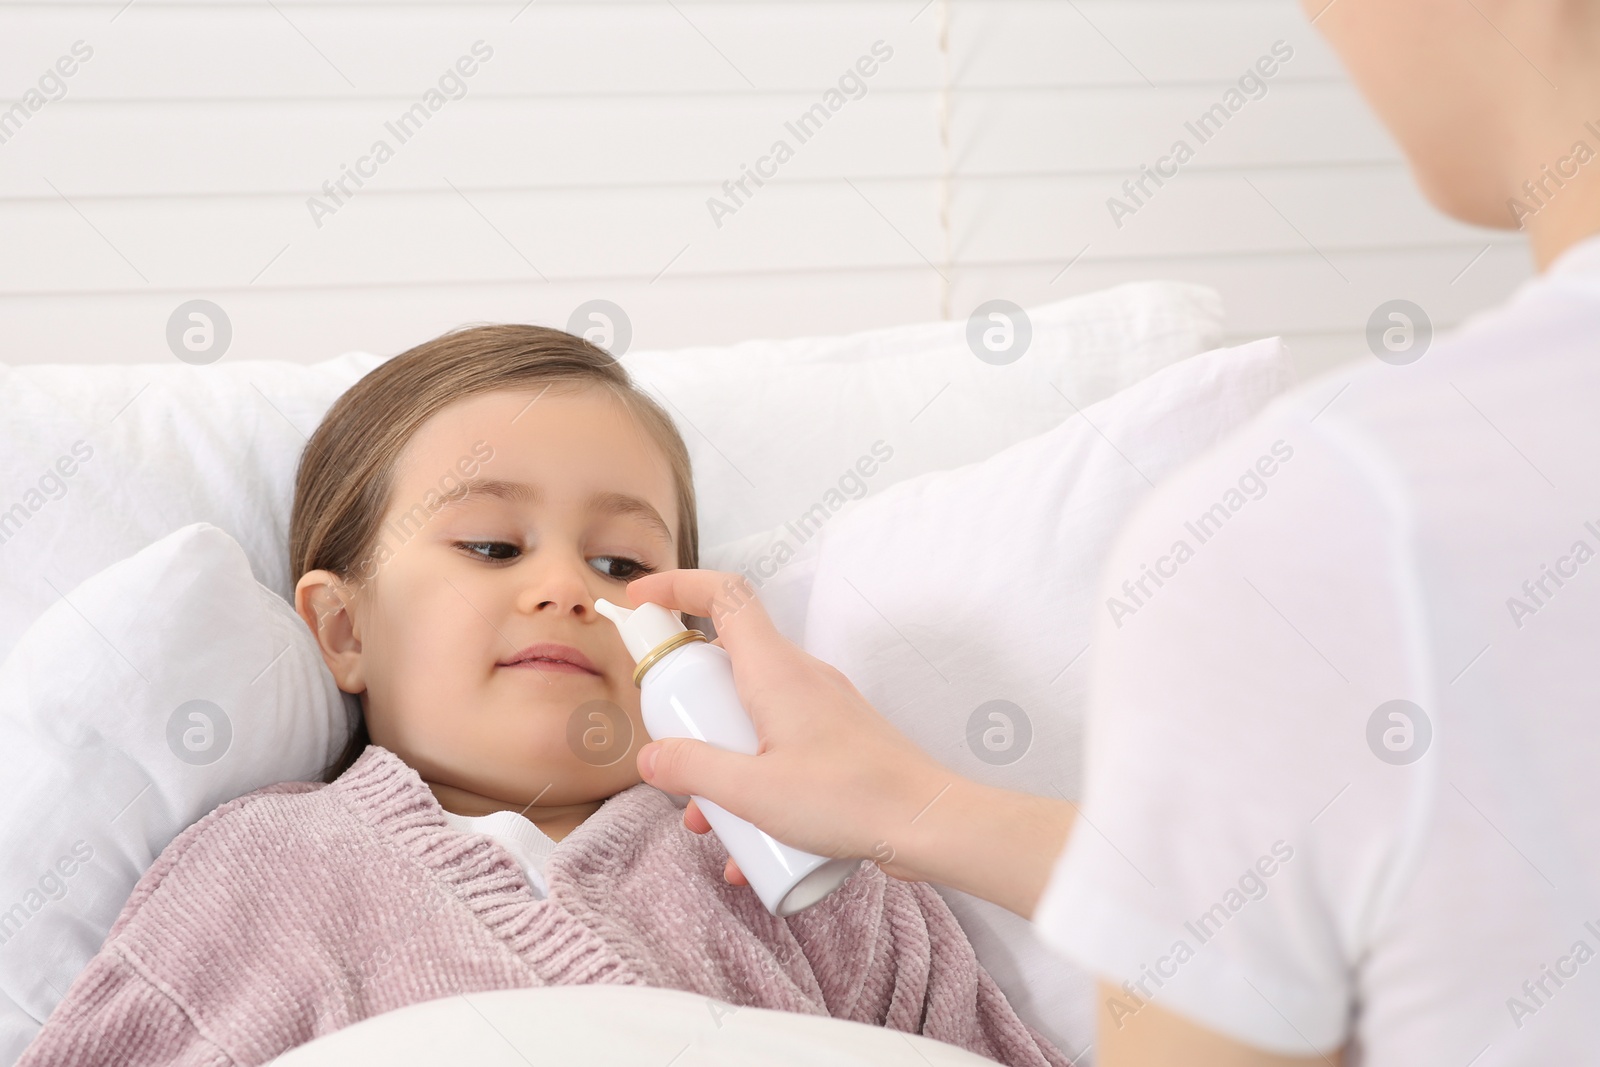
[528, 844]
[1268, 846]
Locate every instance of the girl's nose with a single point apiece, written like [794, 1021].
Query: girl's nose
[559, 586]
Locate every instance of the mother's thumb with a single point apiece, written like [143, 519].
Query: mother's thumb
[684, 766]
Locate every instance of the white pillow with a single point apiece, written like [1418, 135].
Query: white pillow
[98, 461]
[165, 685]
[777, 429]
[965, 587]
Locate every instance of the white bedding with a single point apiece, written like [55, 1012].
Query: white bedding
[590, 1026]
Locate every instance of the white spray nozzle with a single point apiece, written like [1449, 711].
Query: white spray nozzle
[643, 628]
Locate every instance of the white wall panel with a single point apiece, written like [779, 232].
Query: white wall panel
[185, 148]
[481, 236]
[309, 323]
[574, 50]
[578, 159]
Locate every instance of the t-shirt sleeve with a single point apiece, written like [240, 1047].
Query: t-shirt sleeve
[1244, 822]
[114, 1014]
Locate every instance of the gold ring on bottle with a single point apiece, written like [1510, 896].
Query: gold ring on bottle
[671, 643]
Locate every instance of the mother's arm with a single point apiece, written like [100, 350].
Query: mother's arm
[1156, 1037]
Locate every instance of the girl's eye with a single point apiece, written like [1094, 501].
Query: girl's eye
[473, 546]
[504, 551]
[633, 568]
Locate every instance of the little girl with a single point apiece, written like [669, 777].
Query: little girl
[456, 516]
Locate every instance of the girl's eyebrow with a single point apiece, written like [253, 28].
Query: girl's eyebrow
[609, 502]
[603, 502]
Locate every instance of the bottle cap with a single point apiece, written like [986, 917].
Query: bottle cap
[643, 627]
[649, 632]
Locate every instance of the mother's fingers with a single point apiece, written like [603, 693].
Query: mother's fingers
[695, 819]
[728, 600]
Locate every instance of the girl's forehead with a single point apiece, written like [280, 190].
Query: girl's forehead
[554, 424]
[567, 442]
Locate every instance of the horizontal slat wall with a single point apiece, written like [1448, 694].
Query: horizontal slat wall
[578, 159]
[1300, 210]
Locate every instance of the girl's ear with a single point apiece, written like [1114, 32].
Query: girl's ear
[327, 604]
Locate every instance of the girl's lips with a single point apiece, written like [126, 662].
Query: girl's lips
[550, 654]
[550, 666]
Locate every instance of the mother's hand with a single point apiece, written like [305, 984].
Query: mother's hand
[834, 777]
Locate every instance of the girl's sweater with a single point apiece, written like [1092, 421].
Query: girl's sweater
[302, 908]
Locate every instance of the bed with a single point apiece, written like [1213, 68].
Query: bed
[143, 517]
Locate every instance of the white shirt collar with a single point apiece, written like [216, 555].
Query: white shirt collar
[1582, 257]
[506, 825]
[528, 845]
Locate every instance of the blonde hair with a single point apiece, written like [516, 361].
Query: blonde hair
[346, 473]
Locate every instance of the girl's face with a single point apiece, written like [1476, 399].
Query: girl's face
[553, 498]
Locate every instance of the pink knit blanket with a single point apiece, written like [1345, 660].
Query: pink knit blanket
[303, 908]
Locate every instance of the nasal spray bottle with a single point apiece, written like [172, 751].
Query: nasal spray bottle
[686, 690]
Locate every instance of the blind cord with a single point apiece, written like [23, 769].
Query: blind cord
[945, 225]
